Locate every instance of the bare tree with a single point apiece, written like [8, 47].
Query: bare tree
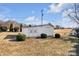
[74, 17]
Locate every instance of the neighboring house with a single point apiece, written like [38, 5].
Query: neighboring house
[37, 30]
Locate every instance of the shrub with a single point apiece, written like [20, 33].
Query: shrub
[57, 35]
[0, 28]
[43, 35]
[16, 29]
[77, 35]
[20, 27]
[77, 32]
[3, 28]
[20, 37]
[11, 27]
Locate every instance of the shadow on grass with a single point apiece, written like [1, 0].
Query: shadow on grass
[75, 51]
[75, 48]
[72, 39]
[15, 41]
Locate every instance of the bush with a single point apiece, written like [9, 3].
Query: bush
[77, 35]
[11, 27]
[57, 35]
[20, 37]
[20, 27]
[3, 28]
[43, 35]
[77, 32]
[0, 28]
[16, 29]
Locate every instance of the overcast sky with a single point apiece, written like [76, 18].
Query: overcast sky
[55, 13]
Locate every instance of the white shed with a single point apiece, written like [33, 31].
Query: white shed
[37, 30]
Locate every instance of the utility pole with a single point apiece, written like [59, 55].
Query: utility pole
[42, 16]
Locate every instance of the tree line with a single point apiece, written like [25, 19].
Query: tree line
[11, 28]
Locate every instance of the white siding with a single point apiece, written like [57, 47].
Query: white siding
[36, 31]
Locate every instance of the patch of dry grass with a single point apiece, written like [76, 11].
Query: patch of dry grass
[34, 47]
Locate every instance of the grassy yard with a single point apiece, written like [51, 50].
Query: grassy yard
[33, 46]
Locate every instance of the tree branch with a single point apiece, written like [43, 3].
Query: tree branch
[73, 19]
